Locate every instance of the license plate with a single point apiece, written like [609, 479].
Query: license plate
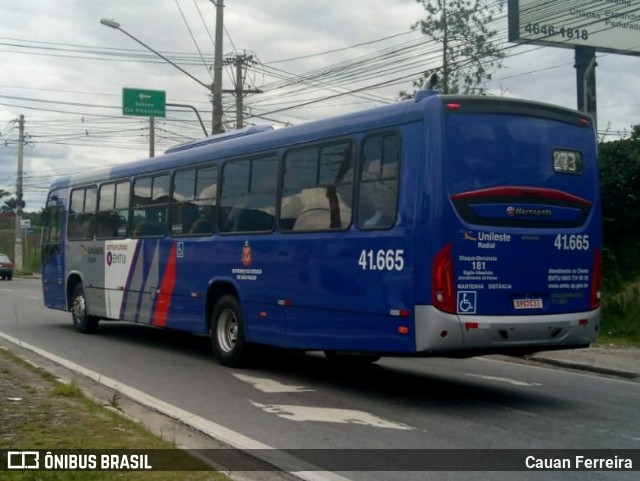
[529, 303]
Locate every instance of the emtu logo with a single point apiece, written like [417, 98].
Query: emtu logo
[23, 460]
[511, 211]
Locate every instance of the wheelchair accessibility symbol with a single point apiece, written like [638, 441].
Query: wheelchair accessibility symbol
[466, 302]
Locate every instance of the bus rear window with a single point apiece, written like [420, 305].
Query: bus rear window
[487, 150]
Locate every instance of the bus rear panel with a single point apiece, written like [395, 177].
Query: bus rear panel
[518, 264]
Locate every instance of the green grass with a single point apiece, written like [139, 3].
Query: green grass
[46, 414]
[621, 314]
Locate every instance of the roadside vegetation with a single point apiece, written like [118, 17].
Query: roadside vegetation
[38, 412]
[620, 186]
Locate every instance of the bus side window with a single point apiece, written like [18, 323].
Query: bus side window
[194, 201]
[378, 194]
[317, 192]
[150, 206]
[52, 222]
[82, 213]
[113, 210]
[248, 196]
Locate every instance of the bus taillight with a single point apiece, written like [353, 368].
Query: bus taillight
[442, 281]
[596, 280]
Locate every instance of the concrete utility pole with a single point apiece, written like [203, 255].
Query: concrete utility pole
[19, 202]
[216, 88]
[241, 61]
[585, 58]
[152, 136]
[445, 46]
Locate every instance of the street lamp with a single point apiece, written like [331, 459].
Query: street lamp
[216, 126]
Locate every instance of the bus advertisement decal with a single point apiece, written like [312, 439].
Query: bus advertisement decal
[117, 261]
[163, 299]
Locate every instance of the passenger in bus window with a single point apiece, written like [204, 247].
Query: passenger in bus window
[377, 204]
[382, 208]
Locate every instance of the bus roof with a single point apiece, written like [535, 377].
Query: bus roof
[212, 139]
[257, 139]
[262, 138]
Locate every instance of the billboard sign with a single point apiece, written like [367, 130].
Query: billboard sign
[607, 25]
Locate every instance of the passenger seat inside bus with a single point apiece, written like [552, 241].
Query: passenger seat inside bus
[144, 229]
[201, 226]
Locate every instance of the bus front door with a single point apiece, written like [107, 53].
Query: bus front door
[53, 286]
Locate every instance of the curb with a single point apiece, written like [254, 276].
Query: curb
[584, 367]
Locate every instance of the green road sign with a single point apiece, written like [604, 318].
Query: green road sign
[144, 103]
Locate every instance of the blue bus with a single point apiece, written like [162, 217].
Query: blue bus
[439, 226]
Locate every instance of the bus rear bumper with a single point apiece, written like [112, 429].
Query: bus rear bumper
[437, 331]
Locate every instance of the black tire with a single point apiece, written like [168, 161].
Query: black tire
[227, 333]
[352, 359]
[10, 276]
[82, 321]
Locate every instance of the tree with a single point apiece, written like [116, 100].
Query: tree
[620, 187]
[9, 205]
[470, 52]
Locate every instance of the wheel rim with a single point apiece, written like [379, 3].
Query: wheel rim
[227, 330]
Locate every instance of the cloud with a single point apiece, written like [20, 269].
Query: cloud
[64, 71]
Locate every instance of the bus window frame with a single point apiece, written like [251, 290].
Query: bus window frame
[251, 158]
[132, 205]
[214, 221]
[382, 133]
[114, 182]
[320, 144]
[84, 212]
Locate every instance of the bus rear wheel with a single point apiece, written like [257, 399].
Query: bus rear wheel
[82, 321]
[228, 334]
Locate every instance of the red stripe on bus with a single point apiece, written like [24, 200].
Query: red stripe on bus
[514, 192]
[163, 301]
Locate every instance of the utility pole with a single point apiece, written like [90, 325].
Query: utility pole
[216, 88]
[445, 45]
[241, 61]
[585, 65]
[19, 202]
[152, 136]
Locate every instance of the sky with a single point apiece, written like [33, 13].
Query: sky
[64, 72]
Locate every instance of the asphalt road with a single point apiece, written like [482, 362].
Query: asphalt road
[302, 401]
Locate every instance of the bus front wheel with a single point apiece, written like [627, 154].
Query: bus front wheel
[227, 332]
[82, 321]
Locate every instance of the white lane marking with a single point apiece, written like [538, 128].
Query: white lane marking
[271, 386]
[329, 415]
[217, 431]
[629, 436]
[514, 382]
